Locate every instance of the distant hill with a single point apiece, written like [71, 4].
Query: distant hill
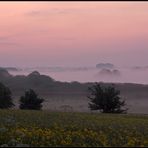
[11, 68]
[139, 67]
[4, 74]
[47, 86]
[105, 65]
[108, 72]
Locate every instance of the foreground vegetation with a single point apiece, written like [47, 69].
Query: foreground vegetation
[44, 128]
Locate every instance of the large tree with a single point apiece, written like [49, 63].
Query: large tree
[5, 97]
[31, 101]
[106, 99]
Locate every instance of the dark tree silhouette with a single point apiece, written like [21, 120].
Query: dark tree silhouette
[31, 101]
[106, 99]
[5, 97]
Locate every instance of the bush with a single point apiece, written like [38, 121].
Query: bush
[31, 101]
[106, 99]
[5, 97]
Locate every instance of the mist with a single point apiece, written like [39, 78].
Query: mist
[89, 74]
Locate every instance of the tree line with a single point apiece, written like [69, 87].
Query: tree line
[104, 99]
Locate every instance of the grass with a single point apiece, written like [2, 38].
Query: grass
[44, 128]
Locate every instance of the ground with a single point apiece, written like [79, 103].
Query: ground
[46, 128]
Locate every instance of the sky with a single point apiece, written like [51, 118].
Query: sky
[73, 33]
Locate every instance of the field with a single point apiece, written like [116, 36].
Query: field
[44, 128]
[136, 102]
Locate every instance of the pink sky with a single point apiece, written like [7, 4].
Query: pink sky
[73, 33]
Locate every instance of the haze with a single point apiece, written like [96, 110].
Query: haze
[73, 33]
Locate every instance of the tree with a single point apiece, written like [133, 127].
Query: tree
[106, 99]
[5, 97]
[31, 101]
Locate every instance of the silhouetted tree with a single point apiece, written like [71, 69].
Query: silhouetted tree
[5, 97]
[31, 101]
[106, 99]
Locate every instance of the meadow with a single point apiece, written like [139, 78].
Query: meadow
[65, 129]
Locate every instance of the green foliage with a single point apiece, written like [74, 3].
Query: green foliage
[31, 101]
[105, 99]
[5, 97]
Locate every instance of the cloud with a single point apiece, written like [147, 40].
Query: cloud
[5, 40]
[8, 43]
[2, 38]
[97, 8]
[33, 13]
[48, 12]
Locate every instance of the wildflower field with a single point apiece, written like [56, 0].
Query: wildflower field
[44, 128]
